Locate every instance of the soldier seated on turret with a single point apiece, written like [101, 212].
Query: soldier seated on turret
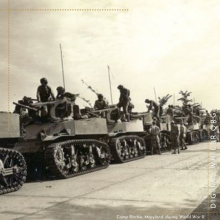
[71, 97]
[101, 104]
[44, 92]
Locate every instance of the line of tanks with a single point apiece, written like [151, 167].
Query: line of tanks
[65, 147]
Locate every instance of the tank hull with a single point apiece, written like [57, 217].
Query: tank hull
[65, 148]
[125, 141]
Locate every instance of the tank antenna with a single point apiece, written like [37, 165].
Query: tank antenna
[62, 66]
[110, 85]
[155, 95]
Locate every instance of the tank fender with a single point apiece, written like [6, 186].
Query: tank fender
[53, 138]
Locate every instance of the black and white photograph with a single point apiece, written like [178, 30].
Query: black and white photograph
[110, 110]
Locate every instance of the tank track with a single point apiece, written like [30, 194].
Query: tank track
[13, 170]
[193, 137]
[127, 148]
[76, 157]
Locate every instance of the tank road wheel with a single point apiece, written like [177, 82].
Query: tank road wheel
[13, 170]
[195, 137]
[165, 141]
[204, 135]
[127, 148]
[71, 158]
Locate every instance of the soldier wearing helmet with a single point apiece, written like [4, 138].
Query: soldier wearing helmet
[44, 92]
[100, 103]
[174, 136]
[170, 111]
[155, 140]
[124, 101]
[182, 135]
[154, 107]
[60, 92]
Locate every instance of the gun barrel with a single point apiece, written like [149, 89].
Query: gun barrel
[25, 106]
[104, 110]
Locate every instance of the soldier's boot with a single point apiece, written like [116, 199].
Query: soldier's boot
[127, 117]
[123, 118]
[174, 152]
[159, 152]
[152, 151]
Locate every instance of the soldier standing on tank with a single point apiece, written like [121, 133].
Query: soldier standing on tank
[155, 140]
[170, 111]
[182, 136]
[130, 108]
[155, 106]
[174, 136]
[101, 104]
[44, 92]
[124, 101]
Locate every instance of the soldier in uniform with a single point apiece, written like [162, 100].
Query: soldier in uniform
[71, 97]
[60, 92]
[130, 108]
[170, 111]
[155, 140]
[100, 104]
[174, 136]
[189, 113]
[44, 92]
[182, 136]
[153, 105]
[124, 100]
[157, 122]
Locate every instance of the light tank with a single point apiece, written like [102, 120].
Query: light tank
[13, 169]
[55, 142]
[125, 139]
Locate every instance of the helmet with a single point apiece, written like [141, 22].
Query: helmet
[100, 96]
[120, 86]
[60, 88]
[43, 80]
[172, 122]
[147, 100]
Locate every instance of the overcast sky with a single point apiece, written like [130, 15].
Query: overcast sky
[171, 45]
